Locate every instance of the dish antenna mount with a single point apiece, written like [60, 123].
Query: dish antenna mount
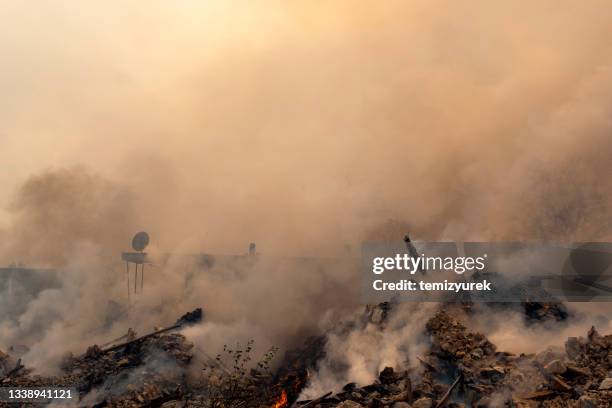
[139, 243]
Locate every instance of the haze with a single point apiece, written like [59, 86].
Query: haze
[302, 126]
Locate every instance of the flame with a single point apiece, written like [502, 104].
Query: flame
[281, 402]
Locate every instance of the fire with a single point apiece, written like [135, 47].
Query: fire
[281, 402]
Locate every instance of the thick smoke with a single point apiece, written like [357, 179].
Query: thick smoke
[305, 127]
[509, 330]
[267, 121]
[56, 211]
[79, 223]
[358, 353]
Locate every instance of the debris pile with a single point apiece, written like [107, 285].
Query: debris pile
[292, 375]
[464, 369]
[144, 371]
[459, 368]
[538, 311]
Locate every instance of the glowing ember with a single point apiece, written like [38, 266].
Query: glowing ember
[281, 402]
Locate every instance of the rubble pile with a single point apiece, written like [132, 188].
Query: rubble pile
[129, 377]
[538, 311]
[464, 369]
[144, 371]
[149, 369]
[459, 368]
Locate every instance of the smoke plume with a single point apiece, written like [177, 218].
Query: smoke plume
[306, 127]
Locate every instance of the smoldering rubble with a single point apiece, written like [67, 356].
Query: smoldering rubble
[456, 368]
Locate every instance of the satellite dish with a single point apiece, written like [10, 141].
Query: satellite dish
[140, 241]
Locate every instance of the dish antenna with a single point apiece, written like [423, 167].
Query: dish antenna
[140, 241]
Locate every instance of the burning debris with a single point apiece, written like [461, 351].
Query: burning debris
[459, 368]
[464, 369]
[104, 376]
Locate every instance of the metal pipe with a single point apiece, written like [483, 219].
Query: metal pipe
[127, 270]
[136, 279]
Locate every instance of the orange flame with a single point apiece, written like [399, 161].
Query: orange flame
[281, 402]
